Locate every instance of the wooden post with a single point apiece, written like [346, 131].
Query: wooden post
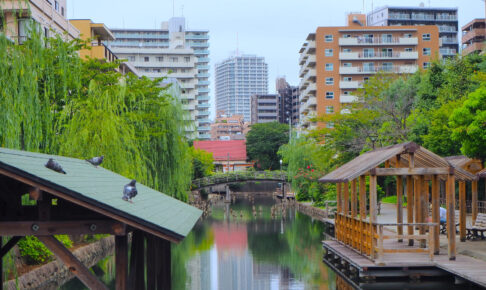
[1, 264]
[399, 207]
[416, 203]
[462, 210]
[474, 200]
[436, 212]
[121, 262]
[163, 261]
[362, 197]
[380, 245]
[373, 217]
[72, 263]
[354, 199]
[338, 198]
[410, 202]
[420, 208]
[136, 278]
[346, 198]
[451, 223]
[151, 267]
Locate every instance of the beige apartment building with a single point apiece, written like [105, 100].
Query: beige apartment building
[473, 36]
[49, 14]
[335, 61]
[229, 127]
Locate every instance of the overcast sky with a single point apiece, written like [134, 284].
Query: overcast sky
[274, 29]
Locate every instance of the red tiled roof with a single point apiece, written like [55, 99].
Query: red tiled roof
[220, 149]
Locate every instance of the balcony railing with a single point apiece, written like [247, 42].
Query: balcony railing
[447, 51]
[375, 69]
[378, 55]
[449, 40]
[365, 41]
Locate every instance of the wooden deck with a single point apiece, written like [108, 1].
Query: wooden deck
[467, 268]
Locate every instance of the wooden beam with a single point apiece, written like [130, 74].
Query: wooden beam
[45, 228]
[35, 193]
[451, 223]
[163, 253]
[462, 211]
[121, 262]
[474, 200]
[410, 171]
[436, 212]
[410, 203]
[89, 206]
[346, 198]
[373, 217]
[71, 262]
[354, 199]
[8, 246]
[399, 206]
[151, 262]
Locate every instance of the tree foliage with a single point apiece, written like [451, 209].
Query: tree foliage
[202, 163]
[263, 142]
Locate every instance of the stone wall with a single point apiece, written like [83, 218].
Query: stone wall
[311, 211]
[55, 274]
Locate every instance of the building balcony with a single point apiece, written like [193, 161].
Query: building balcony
[475, 33]
[311, 61]
[447, 51]
[203, 90]
[203, 83]
[308, 106]
[203, 59]
[378, 55]
[445, 28]
[362, 41]
[409, 69]
[303, 58]
[308, 48]
[310, 74]
[203, 98]
[346, 99]
[448, 40]
[203, 113]
[203, 75]
[189, 107]
[446, 17]
[193, 36]
[204, 128]
[309, 90]
[197, 44]
[201, 52]
[475, 47]
[204, 136]
[203, 106]
[204, 67]
[350, 85]
[203, 121]
[422, 16]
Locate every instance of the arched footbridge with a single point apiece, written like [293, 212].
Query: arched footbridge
[237, 177]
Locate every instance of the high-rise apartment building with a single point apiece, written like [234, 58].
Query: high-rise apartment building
[473, 36]
[237, 79]
[335, 61]
[289, 102]
[265, 108]
[444, 18]
[17, 17]
[179, 53]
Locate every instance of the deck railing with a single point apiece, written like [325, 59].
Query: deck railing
[368, 238]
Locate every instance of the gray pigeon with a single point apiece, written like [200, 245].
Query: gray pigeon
[129, 191]
[53, 165]
[96, 160]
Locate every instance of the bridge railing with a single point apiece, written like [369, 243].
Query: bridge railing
[238, 176]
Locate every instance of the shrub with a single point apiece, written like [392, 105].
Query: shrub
[34, 252]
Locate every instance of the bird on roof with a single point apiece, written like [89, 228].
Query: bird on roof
[129, 191]
[53, 165]
[96, 160]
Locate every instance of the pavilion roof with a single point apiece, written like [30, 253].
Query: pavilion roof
[101, 190]
[362, 164]
[482, 173]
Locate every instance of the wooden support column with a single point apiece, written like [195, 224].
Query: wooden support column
[151, 262]
[373, 207]
[416, 196]
[346, 198]
[436, 212]
[410, 202]
[121, 262]
[354, 199]
[451, 223]
[338, 198]
[1, 264]
[72, 263]
[399, 207]
[136, 277]
[420, 207]
[462, 210]
[474, 200]
[163, 262]
[362, 197]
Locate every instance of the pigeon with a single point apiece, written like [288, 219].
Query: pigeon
[96, 160]
[129, 191]
[53, 165]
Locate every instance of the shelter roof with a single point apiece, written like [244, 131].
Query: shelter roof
[459, 161]
[482, 173]
[362, 164]
[101, 190]
[234, 150]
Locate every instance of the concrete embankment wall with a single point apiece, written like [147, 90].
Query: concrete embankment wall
[311, 211]
[55, 274]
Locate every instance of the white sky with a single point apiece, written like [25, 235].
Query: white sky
[274, 29]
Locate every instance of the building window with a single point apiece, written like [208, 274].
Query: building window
[426, 36]
[347, 64]
[368, 52]
[347, 50]
[146, 59]
[346, 35]
[387, 38]
[160, 58]
[408, 49]
[174, 59]
[426, 65]
[131, 58]
[329, 81]
[24, 25]
[328, 52]
[329, 67]
[369, 67]
[187, 58]
[56, 6]
[347, 79]
[330, 95]
[330, 125]
[426, 51]
[346, 93]
[387, 66]
[329, 109]
[407, 35]
[366, 79]
[328, 38]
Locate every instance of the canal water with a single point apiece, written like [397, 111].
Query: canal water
[255, 243]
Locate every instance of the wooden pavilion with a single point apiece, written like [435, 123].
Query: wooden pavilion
[418, 174]
[88, 200]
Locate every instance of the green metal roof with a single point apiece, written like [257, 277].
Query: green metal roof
[104, 189]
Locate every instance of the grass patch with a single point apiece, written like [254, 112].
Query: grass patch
[393, 200]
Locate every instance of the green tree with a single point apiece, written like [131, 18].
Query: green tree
[202, 163]
[263, 142]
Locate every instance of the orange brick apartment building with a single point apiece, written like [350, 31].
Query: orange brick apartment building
[335, 61]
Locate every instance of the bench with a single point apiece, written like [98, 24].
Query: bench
[443, 226]
[477, 229]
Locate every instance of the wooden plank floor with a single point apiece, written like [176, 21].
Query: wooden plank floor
[466, 267]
